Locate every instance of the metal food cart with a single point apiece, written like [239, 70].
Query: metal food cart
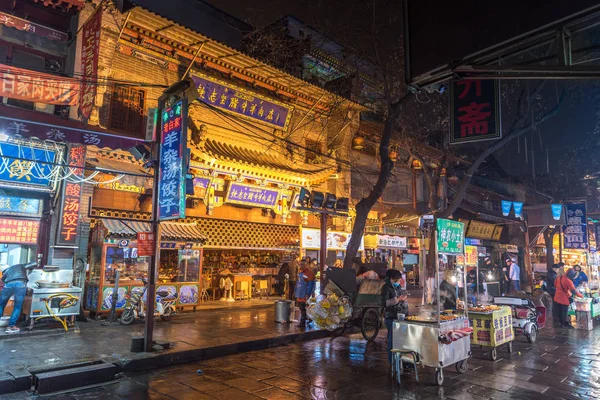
[437, 343]
[492, 329]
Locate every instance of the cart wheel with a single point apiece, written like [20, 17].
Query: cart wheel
[462, 366]
[127, 317]
[370, 324]
[532, 336]
[439, 377]
[98, 317]
[510, 347]
[494, 354]
[339, 331]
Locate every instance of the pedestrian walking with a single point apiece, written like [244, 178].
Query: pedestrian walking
[551, 276]
[293, 269]
[514, 274]
[305, 287]
[393, 299]
[565, 290]
[15, 284]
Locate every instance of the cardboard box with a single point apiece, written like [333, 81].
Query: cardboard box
[584, 320]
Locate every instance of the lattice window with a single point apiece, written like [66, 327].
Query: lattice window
[127, 109]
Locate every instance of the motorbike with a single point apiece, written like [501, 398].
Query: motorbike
[527, 318]
[135, 305]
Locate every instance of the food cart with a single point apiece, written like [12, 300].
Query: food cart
[492, 327]
[115, 247]
[441, 340]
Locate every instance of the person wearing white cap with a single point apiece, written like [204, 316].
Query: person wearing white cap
[514, 275]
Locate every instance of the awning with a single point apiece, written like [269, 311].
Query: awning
[170, 231]
[487, 215]
[19, 122]
[402, 216]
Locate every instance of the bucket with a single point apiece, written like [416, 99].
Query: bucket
[283, 310]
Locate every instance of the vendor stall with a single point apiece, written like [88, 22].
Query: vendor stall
[492, 327]
[438, 340]
[115, 247]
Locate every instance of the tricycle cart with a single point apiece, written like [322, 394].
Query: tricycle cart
[366, 300]
[492, 329]
[437, 341]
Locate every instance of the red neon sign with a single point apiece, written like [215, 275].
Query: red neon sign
[71, 203]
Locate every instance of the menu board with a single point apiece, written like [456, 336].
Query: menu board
[311, 239]
[19, 231]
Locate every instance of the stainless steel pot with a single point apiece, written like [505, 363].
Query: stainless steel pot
[52, 285]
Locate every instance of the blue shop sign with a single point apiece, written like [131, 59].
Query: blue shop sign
[20, 206]
[575, 232]
[251, 195]
[242, 102]
[172, 167]
[27, 166]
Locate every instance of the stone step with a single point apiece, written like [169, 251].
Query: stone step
[74, 377]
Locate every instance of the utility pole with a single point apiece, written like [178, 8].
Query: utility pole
[323, 251]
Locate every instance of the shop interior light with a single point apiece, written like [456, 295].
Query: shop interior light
[317, 199]
[342, 204]
[330, 200]
[304, 197]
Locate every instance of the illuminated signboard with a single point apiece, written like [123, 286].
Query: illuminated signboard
[71, 199]
[19, 231]
[311, 239]
[575, 232]
[17, 205]
[172, 171]
[251, 195]
[242, 102]
[27, 166]
[200, 187]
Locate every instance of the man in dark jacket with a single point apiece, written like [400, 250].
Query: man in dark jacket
[15, 284]
[392, 297]
[293, 270]
[551, 289]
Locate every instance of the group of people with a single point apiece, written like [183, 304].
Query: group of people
[562, 287]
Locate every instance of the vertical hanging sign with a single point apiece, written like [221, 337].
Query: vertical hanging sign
[474, 111]
[90, 51]
[173, 163]
[71, 198]
[575, 232]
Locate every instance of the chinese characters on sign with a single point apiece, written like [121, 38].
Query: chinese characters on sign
[90, 49]
[200, 187]
[395, 242]
[575, 232]
[19, 231]
[242, 102]
[23, 206]
[250, 195]
[471, 255]
[171, 181]
[475, 111]
[39, 30]
[71, 199]
[450, 236]
[145, 244]
[27, 167]
[20, 84]
[480, 230]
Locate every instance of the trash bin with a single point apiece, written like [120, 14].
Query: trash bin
[283, 310]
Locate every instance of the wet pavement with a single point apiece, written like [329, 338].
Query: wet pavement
[561, 364]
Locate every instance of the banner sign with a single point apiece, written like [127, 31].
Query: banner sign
[575, 232]
[556, 211]
[27, 128]
[480, 230]
[518, 206]
[471, 255]
[23, 84]
[506, 206]
[171, 181]
[251, 195]
[71, 198]
[39, 30]
[145, 244]
[90, 51]
[450, 236]
[497, 232]
[474, 111]
[27, 166]
[242, 102]
[19, 231]
[21, 206]
[395, 242]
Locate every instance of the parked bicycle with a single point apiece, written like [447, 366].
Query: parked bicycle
[135, 305]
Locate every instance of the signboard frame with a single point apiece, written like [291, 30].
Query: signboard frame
[452, 233]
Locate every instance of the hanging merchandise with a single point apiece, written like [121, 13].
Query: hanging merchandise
[506, 206]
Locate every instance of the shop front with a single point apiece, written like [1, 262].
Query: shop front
[337, 242]
[122, 246]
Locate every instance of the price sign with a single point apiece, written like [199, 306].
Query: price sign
[145, 242]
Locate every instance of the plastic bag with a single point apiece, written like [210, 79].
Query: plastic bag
[329, 312]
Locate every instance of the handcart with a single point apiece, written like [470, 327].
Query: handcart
[492, 328]
[367, 302]
[440, 340]
[527, 317]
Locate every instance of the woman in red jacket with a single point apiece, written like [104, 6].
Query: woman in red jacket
[564, 290]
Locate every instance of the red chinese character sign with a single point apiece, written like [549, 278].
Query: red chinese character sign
[173, 163]
[474, 111]
[71, 198]
[145, 243]
[90, 50]
[19, 231]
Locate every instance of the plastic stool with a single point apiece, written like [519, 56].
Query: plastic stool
[398, 358]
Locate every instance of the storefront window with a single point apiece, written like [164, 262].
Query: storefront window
[189, 266]
[11, 254]
[126, 260]
[95, 264]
